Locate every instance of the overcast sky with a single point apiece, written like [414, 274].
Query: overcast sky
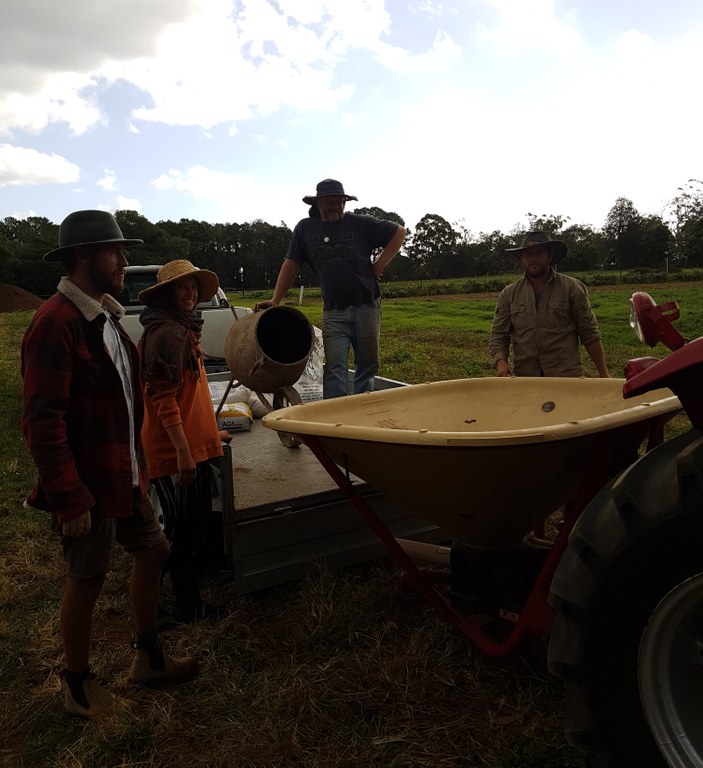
[232, 110]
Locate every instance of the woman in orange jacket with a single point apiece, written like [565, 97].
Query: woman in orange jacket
[180, 433]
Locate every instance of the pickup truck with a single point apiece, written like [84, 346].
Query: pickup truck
[217, 313]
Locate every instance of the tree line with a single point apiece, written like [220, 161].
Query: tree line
[247, 256]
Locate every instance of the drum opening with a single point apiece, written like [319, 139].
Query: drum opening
[284, 335]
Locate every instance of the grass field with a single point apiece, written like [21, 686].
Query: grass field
[342, 669]
[446, 337]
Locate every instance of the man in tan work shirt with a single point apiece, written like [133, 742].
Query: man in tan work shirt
[544, 316]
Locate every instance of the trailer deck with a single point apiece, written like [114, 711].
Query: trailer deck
[283, 515]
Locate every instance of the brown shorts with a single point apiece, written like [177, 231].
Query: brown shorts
[89, 555]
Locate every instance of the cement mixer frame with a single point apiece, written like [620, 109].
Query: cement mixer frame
[281, 397]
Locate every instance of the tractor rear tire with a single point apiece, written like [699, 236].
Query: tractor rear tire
[634, 694]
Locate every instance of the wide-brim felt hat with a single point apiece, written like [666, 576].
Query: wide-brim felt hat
[88, 228]
[557, 248]
[207, 281]
[328, 188]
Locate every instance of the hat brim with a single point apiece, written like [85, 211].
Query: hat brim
[207, 281]
[58, 253]
[312, 199]
[557, 248]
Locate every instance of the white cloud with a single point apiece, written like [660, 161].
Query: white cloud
[53, 60]
[22, 165]
[63, 97]
[109, 181]
[443, 54]
[127, 204]
[201, 62]
[355, 118]
[223, 68]
[430, 7]
[19, 215]
[202, 182]
[525, 25]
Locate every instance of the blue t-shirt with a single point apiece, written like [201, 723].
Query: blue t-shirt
[340, 255]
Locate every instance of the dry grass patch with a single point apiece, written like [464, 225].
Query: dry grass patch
[342, 669]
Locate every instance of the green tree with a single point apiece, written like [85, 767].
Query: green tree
[691, 243]
[28, 240]
[548, 222]
[433, 246]
[158, 247]
[192, 240]
[587, 248]
[491, 257]
[8, 260]
[655, 243]
[622, 233]
[263, 249]
[685, 212]
[379, 213]
[401, 268]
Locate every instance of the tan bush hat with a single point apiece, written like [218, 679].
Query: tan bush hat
[174, 270]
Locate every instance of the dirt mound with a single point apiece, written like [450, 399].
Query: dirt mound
[14, 299]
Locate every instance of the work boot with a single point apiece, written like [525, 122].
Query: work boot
[154, 668]
[84, 696]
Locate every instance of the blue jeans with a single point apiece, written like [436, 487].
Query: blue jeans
[358, 328]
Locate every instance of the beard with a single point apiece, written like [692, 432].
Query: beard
[106, 280]
[537, 270]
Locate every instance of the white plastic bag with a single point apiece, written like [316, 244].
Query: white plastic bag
[237, 394]
[309, 385]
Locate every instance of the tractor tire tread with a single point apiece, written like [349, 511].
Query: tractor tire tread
[618, 520]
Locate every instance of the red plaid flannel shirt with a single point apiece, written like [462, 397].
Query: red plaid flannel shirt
[75, 417]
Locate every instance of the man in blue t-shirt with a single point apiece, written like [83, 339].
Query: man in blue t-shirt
[338, 247]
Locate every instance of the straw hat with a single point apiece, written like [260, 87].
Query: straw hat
[557, 248]
[87, 228]
[207, 281]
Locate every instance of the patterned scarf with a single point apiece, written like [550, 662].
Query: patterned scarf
[169, 346]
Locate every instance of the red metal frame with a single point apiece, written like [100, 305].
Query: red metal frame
[537, 615]
[681, 372]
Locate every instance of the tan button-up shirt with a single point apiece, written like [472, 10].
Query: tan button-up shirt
[545, 335]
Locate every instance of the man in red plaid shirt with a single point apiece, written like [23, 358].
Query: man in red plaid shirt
[81, 418]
